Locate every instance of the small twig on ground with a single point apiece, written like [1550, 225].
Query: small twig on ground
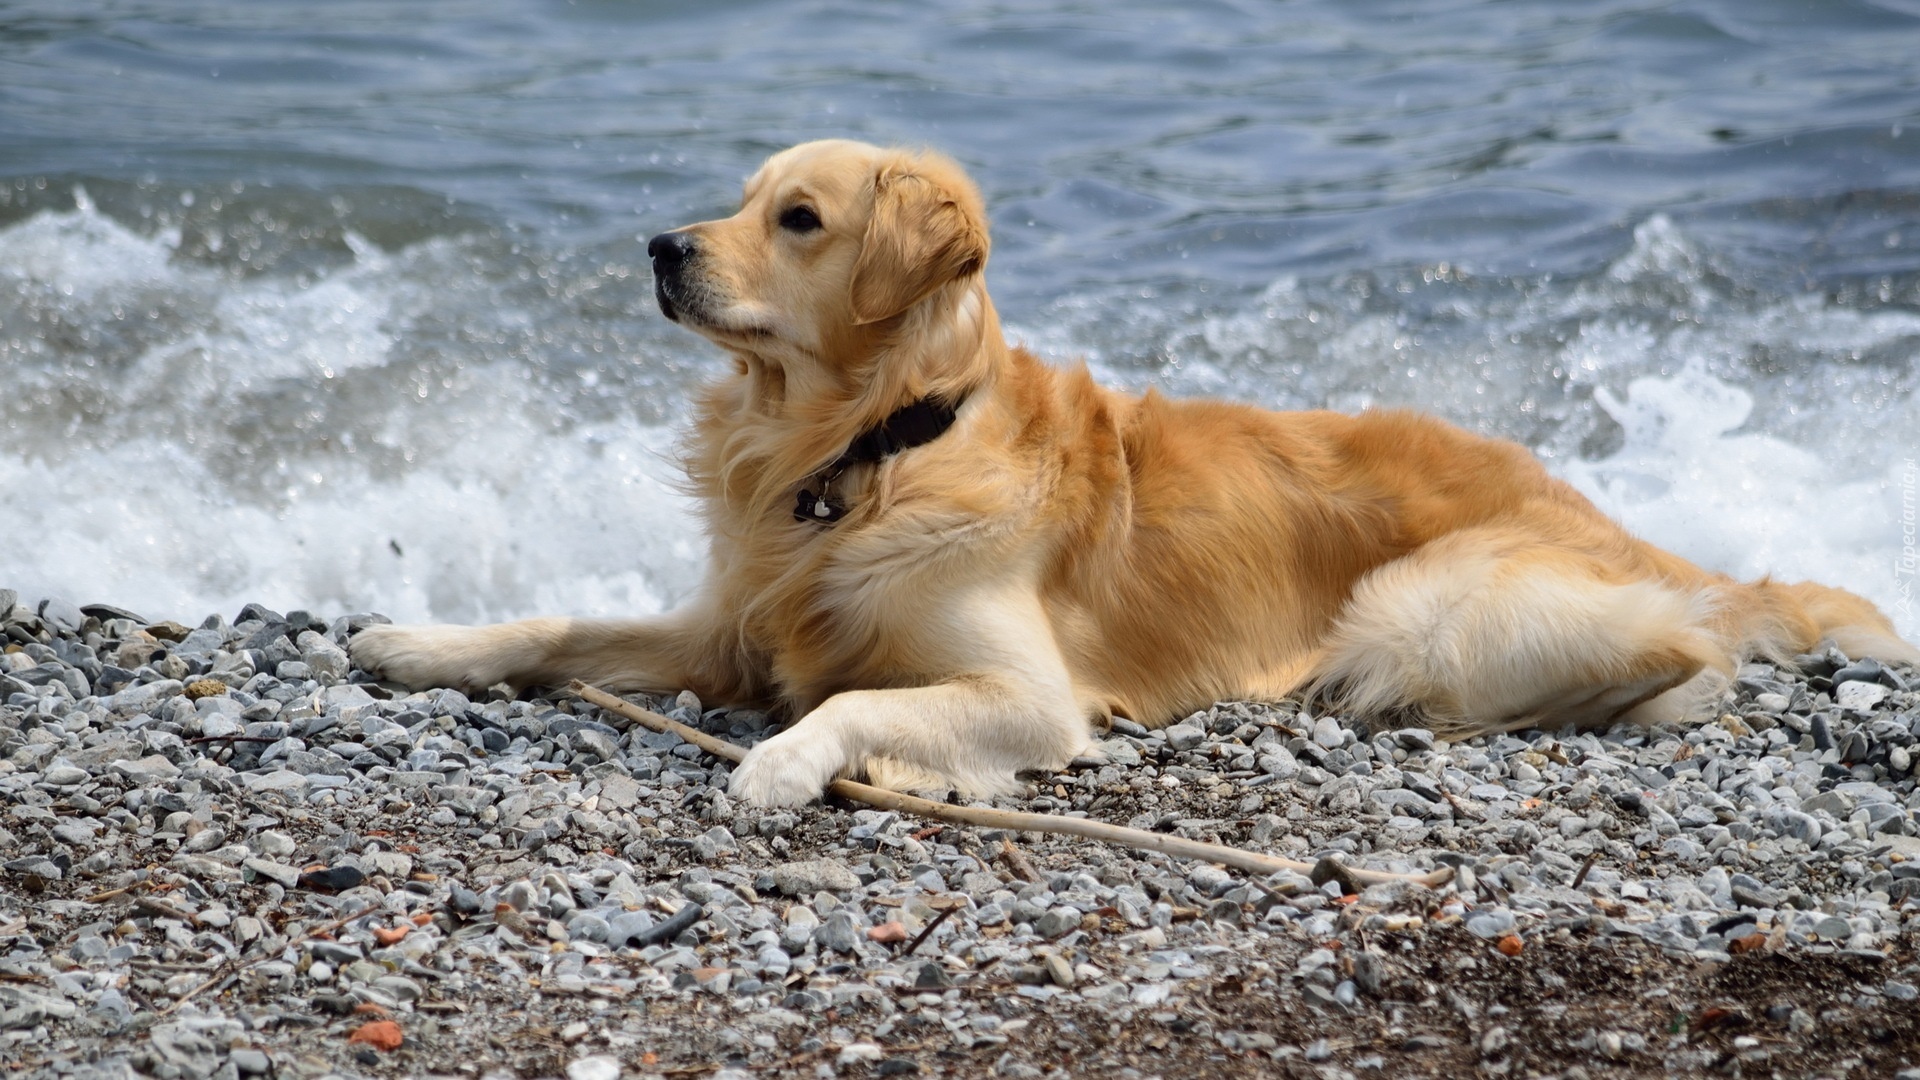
[1581, 877]
[103, 897]
[928, 932]
[1009, 820]
[1018, 861]
[235, 738]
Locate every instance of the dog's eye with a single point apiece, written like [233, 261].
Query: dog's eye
[800, 219]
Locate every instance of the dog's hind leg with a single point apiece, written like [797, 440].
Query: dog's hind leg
[1285, 680]
[1489, 630]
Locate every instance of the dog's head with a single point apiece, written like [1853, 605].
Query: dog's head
[835, 241]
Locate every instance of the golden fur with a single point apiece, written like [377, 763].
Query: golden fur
[1064, 552]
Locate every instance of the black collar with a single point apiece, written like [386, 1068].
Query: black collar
[911, 425]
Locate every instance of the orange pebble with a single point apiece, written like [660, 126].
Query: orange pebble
[391, 935]
[1510, 945]
[888, 933]
[1713, 1018]
[379, 1034]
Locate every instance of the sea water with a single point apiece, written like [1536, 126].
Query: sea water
[354, 313]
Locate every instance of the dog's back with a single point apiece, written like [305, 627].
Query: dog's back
[1392, 562]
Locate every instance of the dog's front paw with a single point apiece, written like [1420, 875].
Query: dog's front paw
[790, 769]
[428, 656]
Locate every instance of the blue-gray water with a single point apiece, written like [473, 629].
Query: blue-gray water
[347, 306]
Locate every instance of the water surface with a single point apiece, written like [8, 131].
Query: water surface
[354, 311]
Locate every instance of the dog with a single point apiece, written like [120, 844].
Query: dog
[947, 561]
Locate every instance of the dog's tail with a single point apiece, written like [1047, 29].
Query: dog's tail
[1488, 644]
[1776, 621]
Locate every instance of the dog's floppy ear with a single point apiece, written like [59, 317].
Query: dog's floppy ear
[923, 234]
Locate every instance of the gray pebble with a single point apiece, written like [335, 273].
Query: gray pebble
[1057, 922]
[64, 776]
[812, 876]
[1328, 733]
[838, 933]
[1491, 924]
[1185, 736]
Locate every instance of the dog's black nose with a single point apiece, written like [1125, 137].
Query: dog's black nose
[669, 250]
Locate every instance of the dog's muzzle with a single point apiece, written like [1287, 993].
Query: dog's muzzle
[670, 252]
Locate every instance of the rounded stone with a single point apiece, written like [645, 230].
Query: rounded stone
[594, 1067]
[1182, 737]
[812, 876]
[64, 776]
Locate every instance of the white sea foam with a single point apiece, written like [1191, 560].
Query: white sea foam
[484, 538]
[481, 506]
[500, 516]
[83, 251]
[1747, 504]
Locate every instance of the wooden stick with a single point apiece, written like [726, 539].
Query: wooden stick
[1016, 820]
[1017, 859]
[1581, 877]
[102, 897]
[148, 905]
[928, 932]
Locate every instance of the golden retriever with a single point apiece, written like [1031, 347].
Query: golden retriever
[956, 603]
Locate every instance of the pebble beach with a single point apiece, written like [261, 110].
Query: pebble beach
[224, 852]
